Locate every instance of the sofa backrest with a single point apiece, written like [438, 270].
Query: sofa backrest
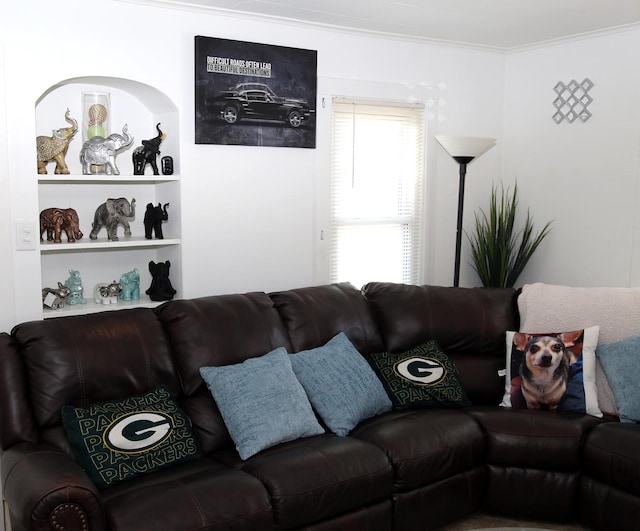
[82, 360]
[213, 331]
[78, 361]
[313, 315]
[468, 323]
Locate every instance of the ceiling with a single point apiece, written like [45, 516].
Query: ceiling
[499, 24]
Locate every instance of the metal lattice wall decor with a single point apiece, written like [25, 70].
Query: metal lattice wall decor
[572, 101]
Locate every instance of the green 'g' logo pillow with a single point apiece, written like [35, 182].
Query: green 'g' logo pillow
[117, 440]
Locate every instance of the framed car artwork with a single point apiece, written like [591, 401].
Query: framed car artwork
[254, 94]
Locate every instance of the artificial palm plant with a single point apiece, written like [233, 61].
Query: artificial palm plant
[499, 252]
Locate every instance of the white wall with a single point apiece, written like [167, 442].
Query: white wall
[248, 212]
[583, 175]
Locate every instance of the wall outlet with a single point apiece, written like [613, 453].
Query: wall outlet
[27, 235]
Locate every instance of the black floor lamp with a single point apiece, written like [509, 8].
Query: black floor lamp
[463, 149]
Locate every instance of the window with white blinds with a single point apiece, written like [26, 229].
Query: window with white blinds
[377, 173]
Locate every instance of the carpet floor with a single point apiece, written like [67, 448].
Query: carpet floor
[480, 521]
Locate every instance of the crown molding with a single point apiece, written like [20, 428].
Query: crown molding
[219, 11]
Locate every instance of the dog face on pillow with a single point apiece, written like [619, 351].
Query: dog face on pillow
[544, 366]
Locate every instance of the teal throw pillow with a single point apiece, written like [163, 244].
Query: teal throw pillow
[341, 385]
[121, 439]
[621, 364]
[422, 377]
[261, 402]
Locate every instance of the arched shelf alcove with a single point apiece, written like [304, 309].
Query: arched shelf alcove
[139, 106]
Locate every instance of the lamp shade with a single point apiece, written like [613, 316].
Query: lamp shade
[466, 147]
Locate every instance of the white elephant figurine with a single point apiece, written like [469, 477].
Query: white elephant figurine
[107, 293]
[98, 154]
[110, 214]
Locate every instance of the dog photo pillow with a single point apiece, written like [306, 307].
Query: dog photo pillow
[552, 370]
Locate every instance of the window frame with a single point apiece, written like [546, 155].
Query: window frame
[323, 203]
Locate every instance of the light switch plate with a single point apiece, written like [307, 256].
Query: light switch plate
[27, 235]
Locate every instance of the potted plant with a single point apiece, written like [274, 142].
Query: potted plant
[499, 252]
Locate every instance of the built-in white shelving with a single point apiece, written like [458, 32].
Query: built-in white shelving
[141, 107]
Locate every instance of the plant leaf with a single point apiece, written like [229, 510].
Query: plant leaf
[499, 253]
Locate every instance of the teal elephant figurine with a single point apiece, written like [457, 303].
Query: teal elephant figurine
[130, 282]
[74, 283]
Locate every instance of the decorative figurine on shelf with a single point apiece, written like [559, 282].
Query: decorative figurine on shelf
[147, 154]
[153, 218]
[98, 154]
[166, 163]
[110, 214]
[74, 283]
[57, 220]
[55, 147]
[54, 297]
[130, 282]
[161, 288]
[107, 293]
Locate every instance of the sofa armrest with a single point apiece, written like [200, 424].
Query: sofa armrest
[45, 489]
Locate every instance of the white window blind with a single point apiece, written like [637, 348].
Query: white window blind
[377, 173]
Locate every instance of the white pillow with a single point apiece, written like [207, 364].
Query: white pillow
[581, 395]
[615, 310]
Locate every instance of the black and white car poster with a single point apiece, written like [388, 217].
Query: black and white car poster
[254, 94]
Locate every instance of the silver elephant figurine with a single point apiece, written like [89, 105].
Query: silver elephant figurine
[98, 154]
[54, 298]
[110, 214]
[55, 147]
[107, 293]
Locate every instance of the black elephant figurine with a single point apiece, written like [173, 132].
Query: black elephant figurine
[161, 288]
[147, 154]
[153, 218]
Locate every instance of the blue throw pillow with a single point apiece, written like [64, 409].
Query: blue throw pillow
[621, 363]
[340, 383]
[261, 401]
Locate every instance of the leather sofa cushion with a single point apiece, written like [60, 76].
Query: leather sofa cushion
[200, 494]
[213, 331]
[220, 330]
[611, 456]
[71, 361]
[318, 478]
[425, 446]
[15, 410]
[468, 323]
[549, 440]
[312, 316]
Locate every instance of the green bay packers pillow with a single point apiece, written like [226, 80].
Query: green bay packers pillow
[423, 377]
[120, 439]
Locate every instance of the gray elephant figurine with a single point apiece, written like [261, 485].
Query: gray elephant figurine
[153, 218]
[58, 220]
[147, 154]
[98, 154]
[110, 214]
[74, 283]
[130, 282]
[55, 147]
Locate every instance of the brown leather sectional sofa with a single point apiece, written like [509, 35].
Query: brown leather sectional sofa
[403, 470]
